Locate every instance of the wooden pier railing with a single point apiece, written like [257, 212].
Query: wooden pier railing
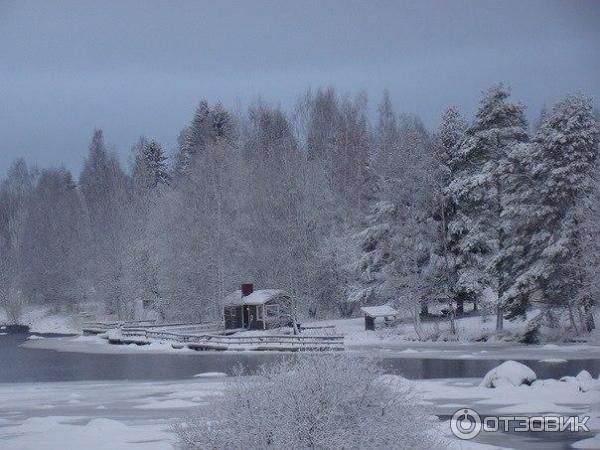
[209, 336]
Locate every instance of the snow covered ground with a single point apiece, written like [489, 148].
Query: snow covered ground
[402, 342]
[398, 343]
[98, 415]
[137, 415]
[41, 320]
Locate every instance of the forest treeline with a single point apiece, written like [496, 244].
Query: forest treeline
[339, 210]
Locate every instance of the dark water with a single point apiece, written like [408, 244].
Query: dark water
[18, 364]
[473, 368]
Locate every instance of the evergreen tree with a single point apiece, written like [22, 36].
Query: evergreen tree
[150, 168]
[441, 271]
[52, 250]
[107, 194]
[477, 230]
[208, 126]
[15, 198]
[561, 167]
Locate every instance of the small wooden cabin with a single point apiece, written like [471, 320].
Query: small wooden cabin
[256, 310]
[373, 312]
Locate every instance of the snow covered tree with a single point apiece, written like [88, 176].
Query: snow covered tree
[477, 229]
[196, 251]
[150, 167]
[563, 182]
[151, 179]
[373, 262]
[107, 194]
[55, 231]
[393, 244]
[440, 273]
[207, 126]
[15, 198]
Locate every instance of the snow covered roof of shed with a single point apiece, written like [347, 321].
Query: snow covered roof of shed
[379, 311]
[259, 297]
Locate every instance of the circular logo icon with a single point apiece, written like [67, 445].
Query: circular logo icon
[465, 423]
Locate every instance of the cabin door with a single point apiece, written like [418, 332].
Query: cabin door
[246, 313]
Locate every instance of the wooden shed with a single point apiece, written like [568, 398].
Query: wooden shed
[256, 310]
[373, 312]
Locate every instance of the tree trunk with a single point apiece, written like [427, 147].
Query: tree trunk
[572, 319]
[588, 314]
[499, 318]
[460, 306]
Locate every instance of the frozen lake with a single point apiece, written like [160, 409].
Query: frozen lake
[50, 395]
[24, 364]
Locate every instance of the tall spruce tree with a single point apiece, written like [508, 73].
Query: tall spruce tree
[477, 231]
[150, 167]
[561, 168]
[440, 272]
[106, 190]
[208, 126]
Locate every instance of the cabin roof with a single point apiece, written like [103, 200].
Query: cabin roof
[379, 311]
[259, 297]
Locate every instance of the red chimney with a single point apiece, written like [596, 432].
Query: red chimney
[247, 289]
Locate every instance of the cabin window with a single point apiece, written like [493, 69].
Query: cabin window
[272, 310]
[259, 313]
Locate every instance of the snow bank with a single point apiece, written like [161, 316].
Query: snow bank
[509, 373]
[210, 375]
[584, 381]
[40, 319]
[590, 443]
[167, 404]
[51, 433]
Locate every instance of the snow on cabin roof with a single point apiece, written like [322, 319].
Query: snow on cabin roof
[259, 297]
[379, 311]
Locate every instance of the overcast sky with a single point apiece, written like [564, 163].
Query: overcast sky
[140, 67]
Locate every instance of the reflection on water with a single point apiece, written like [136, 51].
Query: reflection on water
[468, 368]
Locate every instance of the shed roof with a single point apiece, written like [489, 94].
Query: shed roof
[379, 311]
[259, 297]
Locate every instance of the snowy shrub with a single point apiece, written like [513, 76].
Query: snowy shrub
[509, 373]
[314, 402]
[13, 303]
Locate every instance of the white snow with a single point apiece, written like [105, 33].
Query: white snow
[509, 373]
[210, 375]
[379, 311]
[166, 404]
[42, 320]
[129, 412]
[54, 432]
[97, 415]
[590, 443]
[258, 297]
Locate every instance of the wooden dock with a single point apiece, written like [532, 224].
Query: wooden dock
[97, 327]
[210, 337]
